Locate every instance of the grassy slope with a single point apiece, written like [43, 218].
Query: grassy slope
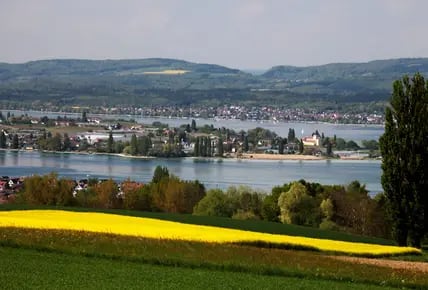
[257, 226]
[227, 258]
[31, 269]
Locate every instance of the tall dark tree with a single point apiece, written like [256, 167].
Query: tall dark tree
[193, 126]
[196, 151]
[246, 145]
[55, 143]
[291, 135]
[110, 143]
[220, 150]
[281, 146]
[160, 173]
[66, 142]
[208, 147]
[2, 140]
[404, 150]
[84, 118]
[144, 145]
[15, 142]
[134, 145]
[301, 147]
[329, 149]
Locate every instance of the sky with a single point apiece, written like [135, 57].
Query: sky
[244, 34]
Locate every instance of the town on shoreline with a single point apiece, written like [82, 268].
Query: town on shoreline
[130, 139]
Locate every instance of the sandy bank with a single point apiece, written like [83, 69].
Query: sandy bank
[263, 156]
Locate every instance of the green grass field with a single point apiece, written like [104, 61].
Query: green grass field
[213, 257]
[30, 269]
[33, 258]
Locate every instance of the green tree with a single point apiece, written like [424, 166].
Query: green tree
[193, 126]
[281, 146]
[340, 144]
[370, 144]
[15, 142]
[2, 140]
[55, 143]
[144, 145]
[329, 149]
[301, 147]
[298, 207]
[196, 149]
[291, 135]
[404, 150]
[134, 145]
[84, 118]
[160, 173]
[110, 143]
[351, 145]
[215, 203]
[270, 208]
[246, 145]
[220, 150]
[209, 147]
[106, 193]
[66, 142]
[118, 147]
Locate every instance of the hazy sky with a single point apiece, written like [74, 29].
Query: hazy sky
[237, 33]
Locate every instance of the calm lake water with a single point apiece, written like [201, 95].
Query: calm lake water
[213, 173]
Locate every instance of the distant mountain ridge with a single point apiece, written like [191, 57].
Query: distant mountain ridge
[381, 68]
[153, 81]
[105, 67]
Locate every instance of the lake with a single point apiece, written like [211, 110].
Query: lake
[214, 173]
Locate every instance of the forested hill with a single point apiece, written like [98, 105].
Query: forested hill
[359, 81]
[382, 69]
[154, 81]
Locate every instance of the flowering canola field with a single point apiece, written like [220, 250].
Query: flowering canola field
[160, 229]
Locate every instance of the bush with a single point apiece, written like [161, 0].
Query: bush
[245, 215]
[329, 225]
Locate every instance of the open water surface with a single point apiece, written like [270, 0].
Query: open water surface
[221, 173]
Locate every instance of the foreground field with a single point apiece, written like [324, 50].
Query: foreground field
[58, 258]
[207, 257]
[29, 269]
[166, 230]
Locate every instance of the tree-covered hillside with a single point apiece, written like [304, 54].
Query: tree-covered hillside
[346, 81]
[159, 81]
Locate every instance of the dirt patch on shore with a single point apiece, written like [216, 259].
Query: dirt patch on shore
[264, 156]
[393, 264]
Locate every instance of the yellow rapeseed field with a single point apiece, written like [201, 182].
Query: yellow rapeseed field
[167, 72]
[160, 229]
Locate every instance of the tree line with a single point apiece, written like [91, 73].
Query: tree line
[333, 207]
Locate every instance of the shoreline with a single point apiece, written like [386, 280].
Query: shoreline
[264, 156]
[243, 156]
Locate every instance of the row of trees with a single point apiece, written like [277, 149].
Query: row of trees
[166, 193]
[346, 208]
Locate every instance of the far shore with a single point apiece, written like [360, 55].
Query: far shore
[246, 156]
[264, 156]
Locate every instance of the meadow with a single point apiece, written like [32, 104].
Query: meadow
[187, 264]
[100, 273]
